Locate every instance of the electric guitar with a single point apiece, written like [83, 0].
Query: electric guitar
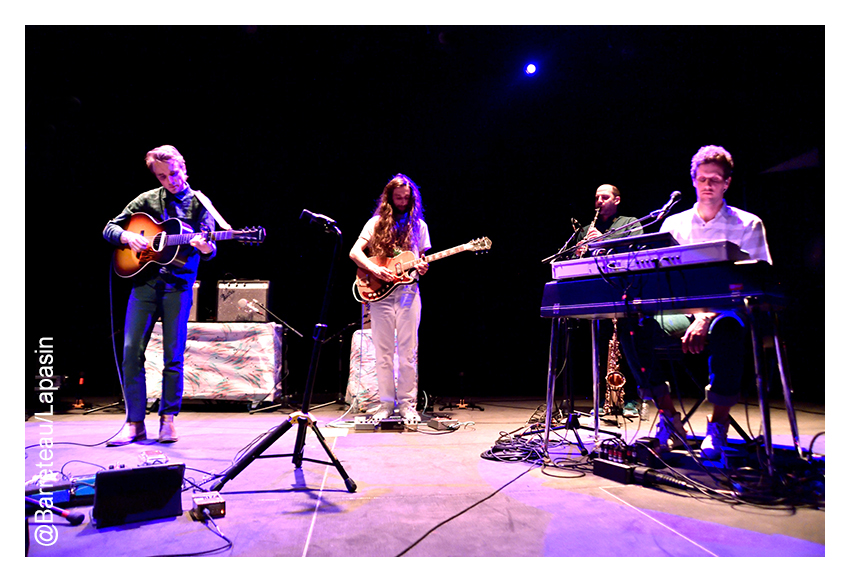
[368, 288]
[169, 243]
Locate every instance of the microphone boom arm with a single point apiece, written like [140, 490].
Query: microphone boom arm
[264, 308]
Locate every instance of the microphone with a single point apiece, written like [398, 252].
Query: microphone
[249, 305]
[576, 224]
[73, 517]
[665, 210]
[320, 218]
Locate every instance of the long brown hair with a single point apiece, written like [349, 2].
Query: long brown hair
[397, 228]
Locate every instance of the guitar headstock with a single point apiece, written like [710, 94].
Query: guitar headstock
[480, 245]
[250, 236]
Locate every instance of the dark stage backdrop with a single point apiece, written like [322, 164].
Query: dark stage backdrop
[273, 120]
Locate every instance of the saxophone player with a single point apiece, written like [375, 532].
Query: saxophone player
[607, 201]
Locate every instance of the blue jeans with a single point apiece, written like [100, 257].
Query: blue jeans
[148, 303]
[725, 347]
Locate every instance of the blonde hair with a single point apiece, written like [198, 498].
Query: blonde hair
[164, 153]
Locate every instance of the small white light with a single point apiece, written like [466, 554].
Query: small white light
[530, 69]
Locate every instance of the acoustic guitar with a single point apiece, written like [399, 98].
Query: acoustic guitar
[169, 243]
[368, 289]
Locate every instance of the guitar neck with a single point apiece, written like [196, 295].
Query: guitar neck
[184, 239]
[436, 256]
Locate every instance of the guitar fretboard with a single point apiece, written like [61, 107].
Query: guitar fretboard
[184, 239]
[435, 256]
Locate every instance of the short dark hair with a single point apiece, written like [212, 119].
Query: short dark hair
[614, 190]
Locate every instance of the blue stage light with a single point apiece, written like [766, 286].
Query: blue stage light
[530, 69]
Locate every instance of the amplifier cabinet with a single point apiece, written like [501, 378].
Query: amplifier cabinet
[193, 313]
[232, 308]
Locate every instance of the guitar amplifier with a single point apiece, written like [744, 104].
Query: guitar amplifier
[193, 313]
[238, 301]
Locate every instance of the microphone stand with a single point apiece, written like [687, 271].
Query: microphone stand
[303, 418]
[279, 320]
[284, 372]
[564, 250]
[655, 215]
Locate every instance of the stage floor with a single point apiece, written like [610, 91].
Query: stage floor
[430, 493]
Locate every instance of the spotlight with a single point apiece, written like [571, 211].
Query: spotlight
[530, 69]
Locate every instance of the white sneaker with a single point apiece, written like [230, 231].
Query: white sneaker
[715, 440]
[409, 415]
[670, 431]
[383, 413]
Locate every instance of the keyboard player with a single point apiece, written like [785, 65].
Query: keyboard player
[710, 219]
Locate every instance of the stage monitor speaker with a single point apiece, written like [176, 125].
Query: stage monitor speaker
[139, 494]
[193, 313]
[231, 308]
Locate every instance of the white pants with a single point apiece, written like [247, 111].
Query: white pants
[396, 318]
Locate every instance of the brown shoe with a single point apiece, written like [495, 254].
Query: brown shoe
[167, 432]
[130, 433]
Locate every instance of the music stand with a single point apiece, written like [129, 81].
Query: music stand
[302, 417]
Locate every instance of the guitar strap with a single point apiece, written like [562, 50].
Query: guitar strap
[211, 209]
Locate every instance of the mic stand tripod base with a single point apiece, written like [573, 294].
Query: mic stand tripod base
[303, 420]
[463, 404]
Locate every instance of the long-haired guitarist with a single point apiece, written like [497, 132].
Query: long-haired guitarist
[396, 226]
[159, 291]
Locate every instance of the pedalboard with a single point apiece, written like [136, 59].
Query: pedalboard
[366, 424]
[640, 453]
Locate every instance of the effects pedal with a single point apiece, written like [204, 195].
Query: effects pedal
[211, 501]
[393, 423]
[442, 423]
[364, 424]
[152, 458]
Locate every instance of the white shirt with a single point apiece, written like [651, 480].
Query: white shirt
[737, 226]
[424, 236]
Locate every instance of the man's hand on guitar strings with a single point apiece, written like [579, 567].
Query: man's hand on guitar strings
[135, 241]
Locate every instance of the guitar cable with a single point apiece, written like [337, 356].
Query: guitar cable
[115, 349]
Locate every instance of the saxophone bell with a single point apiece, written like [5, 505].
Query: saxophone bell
[614, 378]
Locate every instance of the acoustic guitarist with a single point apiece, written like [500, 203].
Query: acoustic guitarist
[159, 292]
[396, 226]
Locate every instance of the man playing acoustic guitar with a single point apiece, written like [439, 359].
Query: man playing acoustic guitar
[396, 226]
[159, 291]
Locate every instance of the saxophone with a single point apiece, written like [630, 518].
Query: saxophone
[614, 379]
[581, 252]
